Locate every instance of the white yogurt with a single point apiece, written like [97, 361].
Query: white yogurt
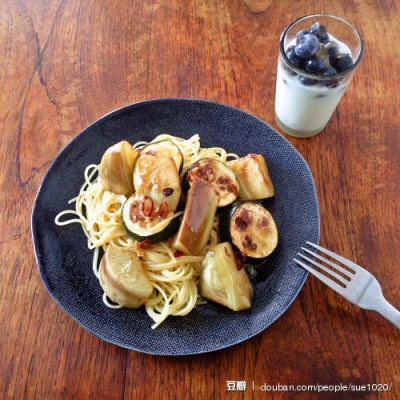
[305, 110]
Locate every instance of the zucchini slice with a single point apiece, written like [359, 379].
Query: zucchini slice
[140, 227]
[253, 176]
[157, 178]
[166, 149]
[197, 222]
[216, 174]
[222, 282]
[251, 228]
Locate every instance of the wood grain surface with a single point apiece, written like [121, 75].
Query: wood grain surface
[65, 63]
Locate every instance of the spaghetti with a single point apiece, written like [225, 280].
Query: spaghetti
[174, 278]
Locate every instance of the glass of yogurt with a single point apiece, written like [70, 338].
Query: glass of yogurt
[317, 58]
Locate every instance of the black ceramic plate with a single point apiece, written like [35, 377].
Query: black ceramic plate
[65, 262]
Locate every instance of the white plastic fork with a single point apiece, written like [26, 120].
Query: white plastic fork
[362, 289]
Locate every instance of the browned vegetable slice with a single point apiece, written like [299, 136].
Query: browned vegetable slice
[166, 149]
[222, 282]
[253, 176]
[153, 176]
[216, 174]
[123, 279]
[251, 228]
[156, 228]
[196, 225]
[116, 168]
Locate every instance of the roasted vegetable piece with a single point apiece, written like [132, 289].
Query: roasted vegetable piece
[122, 277]
[253, 176]
[152, 175]
[140, 227]
[217, 175]
[116, 168]
[166, 149]
[251, 228]
[196, 225]
[222, 282]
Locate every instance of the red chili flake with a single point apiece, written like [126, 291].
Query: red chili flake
[239, 258]
[190, 177]
[168, 191]
[145, 244]
[147, 206]
[163, 209]
[178, 254]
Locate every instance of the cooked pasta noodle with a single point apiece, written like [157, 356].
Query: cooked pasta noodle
[174, 279]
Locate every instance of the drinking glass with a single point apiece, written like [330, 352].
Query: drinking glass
[305, 101]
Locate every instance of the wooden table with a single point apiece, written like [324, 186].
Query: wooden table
[65, 63]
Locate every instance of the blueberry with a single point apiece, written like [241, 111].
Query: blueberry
[332, 49]
[319, 31]
[300, 35]
[308, 45]
[307, 81]
[342, 62]
[330, 83]
[329, 71]
[314, 64]
[294, 59]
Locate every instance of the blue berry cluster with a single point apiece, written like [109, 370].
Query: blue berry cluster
[316, 54]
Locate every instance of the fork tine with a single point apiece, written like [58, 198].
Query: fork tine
[336, 257]
[333, 285]
[327, 270]
[333, 265]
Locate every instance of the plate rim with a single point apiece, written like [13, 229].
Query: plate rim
[126, 108]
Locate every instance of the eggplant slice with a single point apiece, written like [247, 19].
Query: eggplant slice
[197, 222]
[253, 176]
[221, 281]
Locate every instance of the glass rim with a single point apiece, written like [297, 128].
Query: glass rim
[317, 77]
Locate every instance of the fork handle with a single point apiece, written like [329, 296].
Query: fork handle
[383, 307]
